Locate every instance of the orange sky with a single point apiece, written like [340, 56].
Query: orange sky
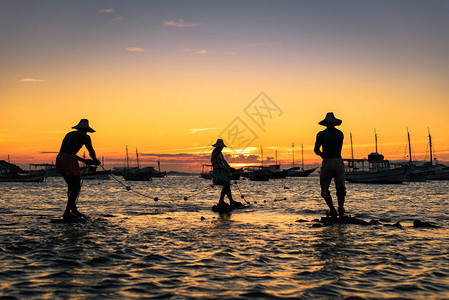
[169, 80]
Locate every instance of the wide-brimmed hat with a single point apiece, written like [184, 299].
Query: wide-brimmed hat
[219, 143]
[84, 124]
[330, 120]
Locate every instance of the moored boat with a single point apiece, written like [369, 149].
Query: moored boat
[375, 169]
[137, 174]
[257, 173]
[12, 173]
[91, 172]
[297, 172]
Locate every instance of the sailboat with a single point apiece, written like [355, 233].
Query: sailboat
[375, 169]
[437, 171]
[296, 171]
[12, 173]
[415, 173]
[136, 173]
[258, 173]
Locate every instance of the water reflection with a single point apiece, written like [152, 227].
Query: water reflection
[177, 248]
[332, 243]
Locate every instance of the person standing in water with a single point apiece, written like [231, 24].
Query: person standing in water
[328, 145]
[67, 164]
[221, 169]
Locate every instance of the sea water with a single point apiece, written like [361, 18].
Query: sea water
[136, 247]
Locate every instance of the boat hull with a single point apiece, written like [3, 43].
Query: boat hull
[23, 178]
[304, 173]
[396, 176]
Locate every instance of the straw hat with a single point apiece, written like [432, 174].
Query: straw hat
[330, 120]
[219, 143]
[84, 124]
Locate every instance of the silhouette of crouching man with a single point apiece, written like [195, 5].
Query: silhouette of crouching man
[330, 141]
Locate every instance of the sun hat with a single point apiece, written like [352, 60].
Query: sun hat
[219, 143]
[84, 124]
[330, 120]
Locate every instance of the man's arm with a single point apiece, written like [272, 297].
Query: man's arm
[318, 144]
[91, 150]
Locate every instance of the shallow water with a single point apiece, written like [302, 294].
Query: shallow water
[135, 247]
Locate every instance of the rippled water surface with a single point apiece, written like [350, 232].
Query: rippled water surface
[135, 247]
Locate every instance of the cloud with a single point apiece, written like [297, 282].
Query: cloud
[195, 130]
[255, 45]
[135, 49]
[107, 11]
[31, 80]
[48, 152]
[180, 23]
[201, 52]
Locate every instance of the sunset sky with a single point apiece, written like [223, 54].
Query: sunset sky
[170, 77]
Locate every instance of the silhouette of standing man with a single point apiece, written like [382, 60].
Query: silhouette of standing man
[67, 164]
[330, 141]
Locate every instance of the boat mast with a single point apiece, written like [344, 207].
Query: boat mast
[137, 158]
[261, 152]
[409, 146]
[352, 149]
[276, 153]
[293, 151]
[375, 138]
[127, 159]
[159, 164]
[430, 145]
[302, 156]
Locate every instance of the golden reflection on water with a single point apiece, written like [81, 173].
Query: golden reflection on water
[136, 247]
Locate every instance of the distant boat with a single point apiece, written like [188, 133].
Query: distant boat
[49, 169]
[137, 173]
[438, 171]
[276, 171]
[265, 173]
[296, 171]
[415, 173]
[207, 173]
[12, 173]
[158, 173]
[257, 173]
[375, 169]
[90, 172]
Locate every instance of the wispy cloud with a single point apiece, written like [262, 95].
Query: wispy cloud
[135, 49]
[31, 80]
[180, 23]
[195, 130]
[48, 152]
[201, 52]
[255, 45]
[107, 11]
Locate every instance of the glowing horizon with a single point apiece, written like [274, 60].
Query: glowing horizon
[170, 79]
